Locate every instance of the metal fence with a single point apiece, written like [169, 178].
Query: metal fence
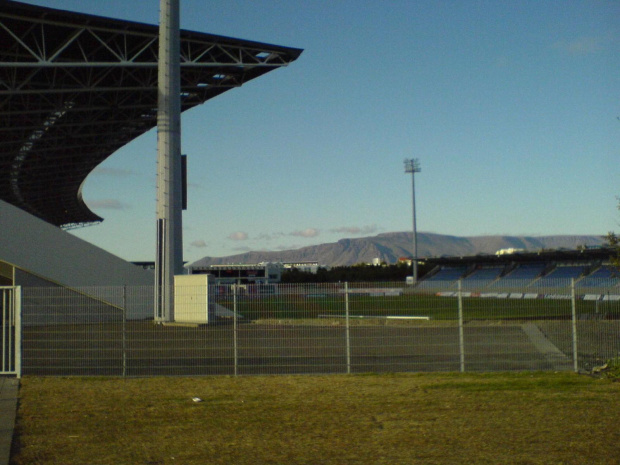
[319, 328]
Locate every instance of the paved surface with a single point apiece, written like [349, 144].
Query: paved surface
[149, 350]
[555, 356]
[8, 409]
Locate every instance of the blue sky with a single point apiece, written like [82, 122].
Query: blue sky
[511, 107]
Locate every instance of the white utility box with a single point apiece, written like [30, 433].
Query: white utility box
[191, 299]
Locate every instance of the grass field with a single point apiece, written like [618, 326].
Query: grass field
[309, 305]
[523, 418]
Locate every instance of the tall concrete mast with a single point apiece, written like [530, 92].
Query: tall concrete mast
[169, 254]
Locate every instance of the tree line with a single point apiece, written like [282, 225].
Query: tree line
[354, 273]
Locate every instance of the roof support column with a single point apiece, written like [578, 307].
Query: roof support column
[169, 254]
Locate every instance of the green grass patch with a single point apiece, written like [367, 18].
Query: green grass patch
[522, 418]
[312, 305]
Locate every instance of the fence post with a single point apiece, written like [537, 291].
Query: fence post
[235, 354]
[348, 335]
[124, 330]
[461, 335]
[17, 302]
[574, 322]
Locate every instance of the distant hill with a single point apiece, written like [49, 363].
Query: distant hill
[388, 247]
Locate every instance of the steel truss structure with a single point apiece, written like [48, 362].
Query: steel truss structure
[74, 88]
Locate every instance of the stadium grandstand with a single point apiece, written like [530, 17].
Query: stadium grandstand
[538, 273]
[75, 89]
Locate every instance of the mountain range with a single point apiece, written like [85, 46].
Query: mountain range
[389, 247]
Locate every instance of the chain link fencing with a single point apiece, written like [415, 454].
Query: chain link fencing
[319, 328]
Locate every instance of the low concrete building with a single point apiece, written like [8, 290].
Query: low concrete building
[257, 273]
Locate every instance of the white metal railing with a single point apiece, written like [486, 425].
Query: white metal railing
[10, 337]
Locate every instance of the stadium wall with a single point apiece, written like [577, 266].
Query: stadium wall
[46, 251]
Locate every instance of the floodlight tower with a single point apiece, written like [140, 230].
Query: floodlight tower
[169, 253]
[412, 166]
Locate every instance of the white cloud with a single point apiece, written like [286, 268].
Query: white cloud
[107, 204]
[198, 244]
[238, 236]
[114, 172]
[309, 232]
[269, 236]
[356, 230]
[580, 46]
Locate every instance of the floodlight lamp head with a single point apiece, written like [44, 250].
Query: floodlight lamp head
[412, 165]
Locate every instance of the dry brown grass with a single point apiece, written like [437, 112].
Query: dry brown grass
[526, 418]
